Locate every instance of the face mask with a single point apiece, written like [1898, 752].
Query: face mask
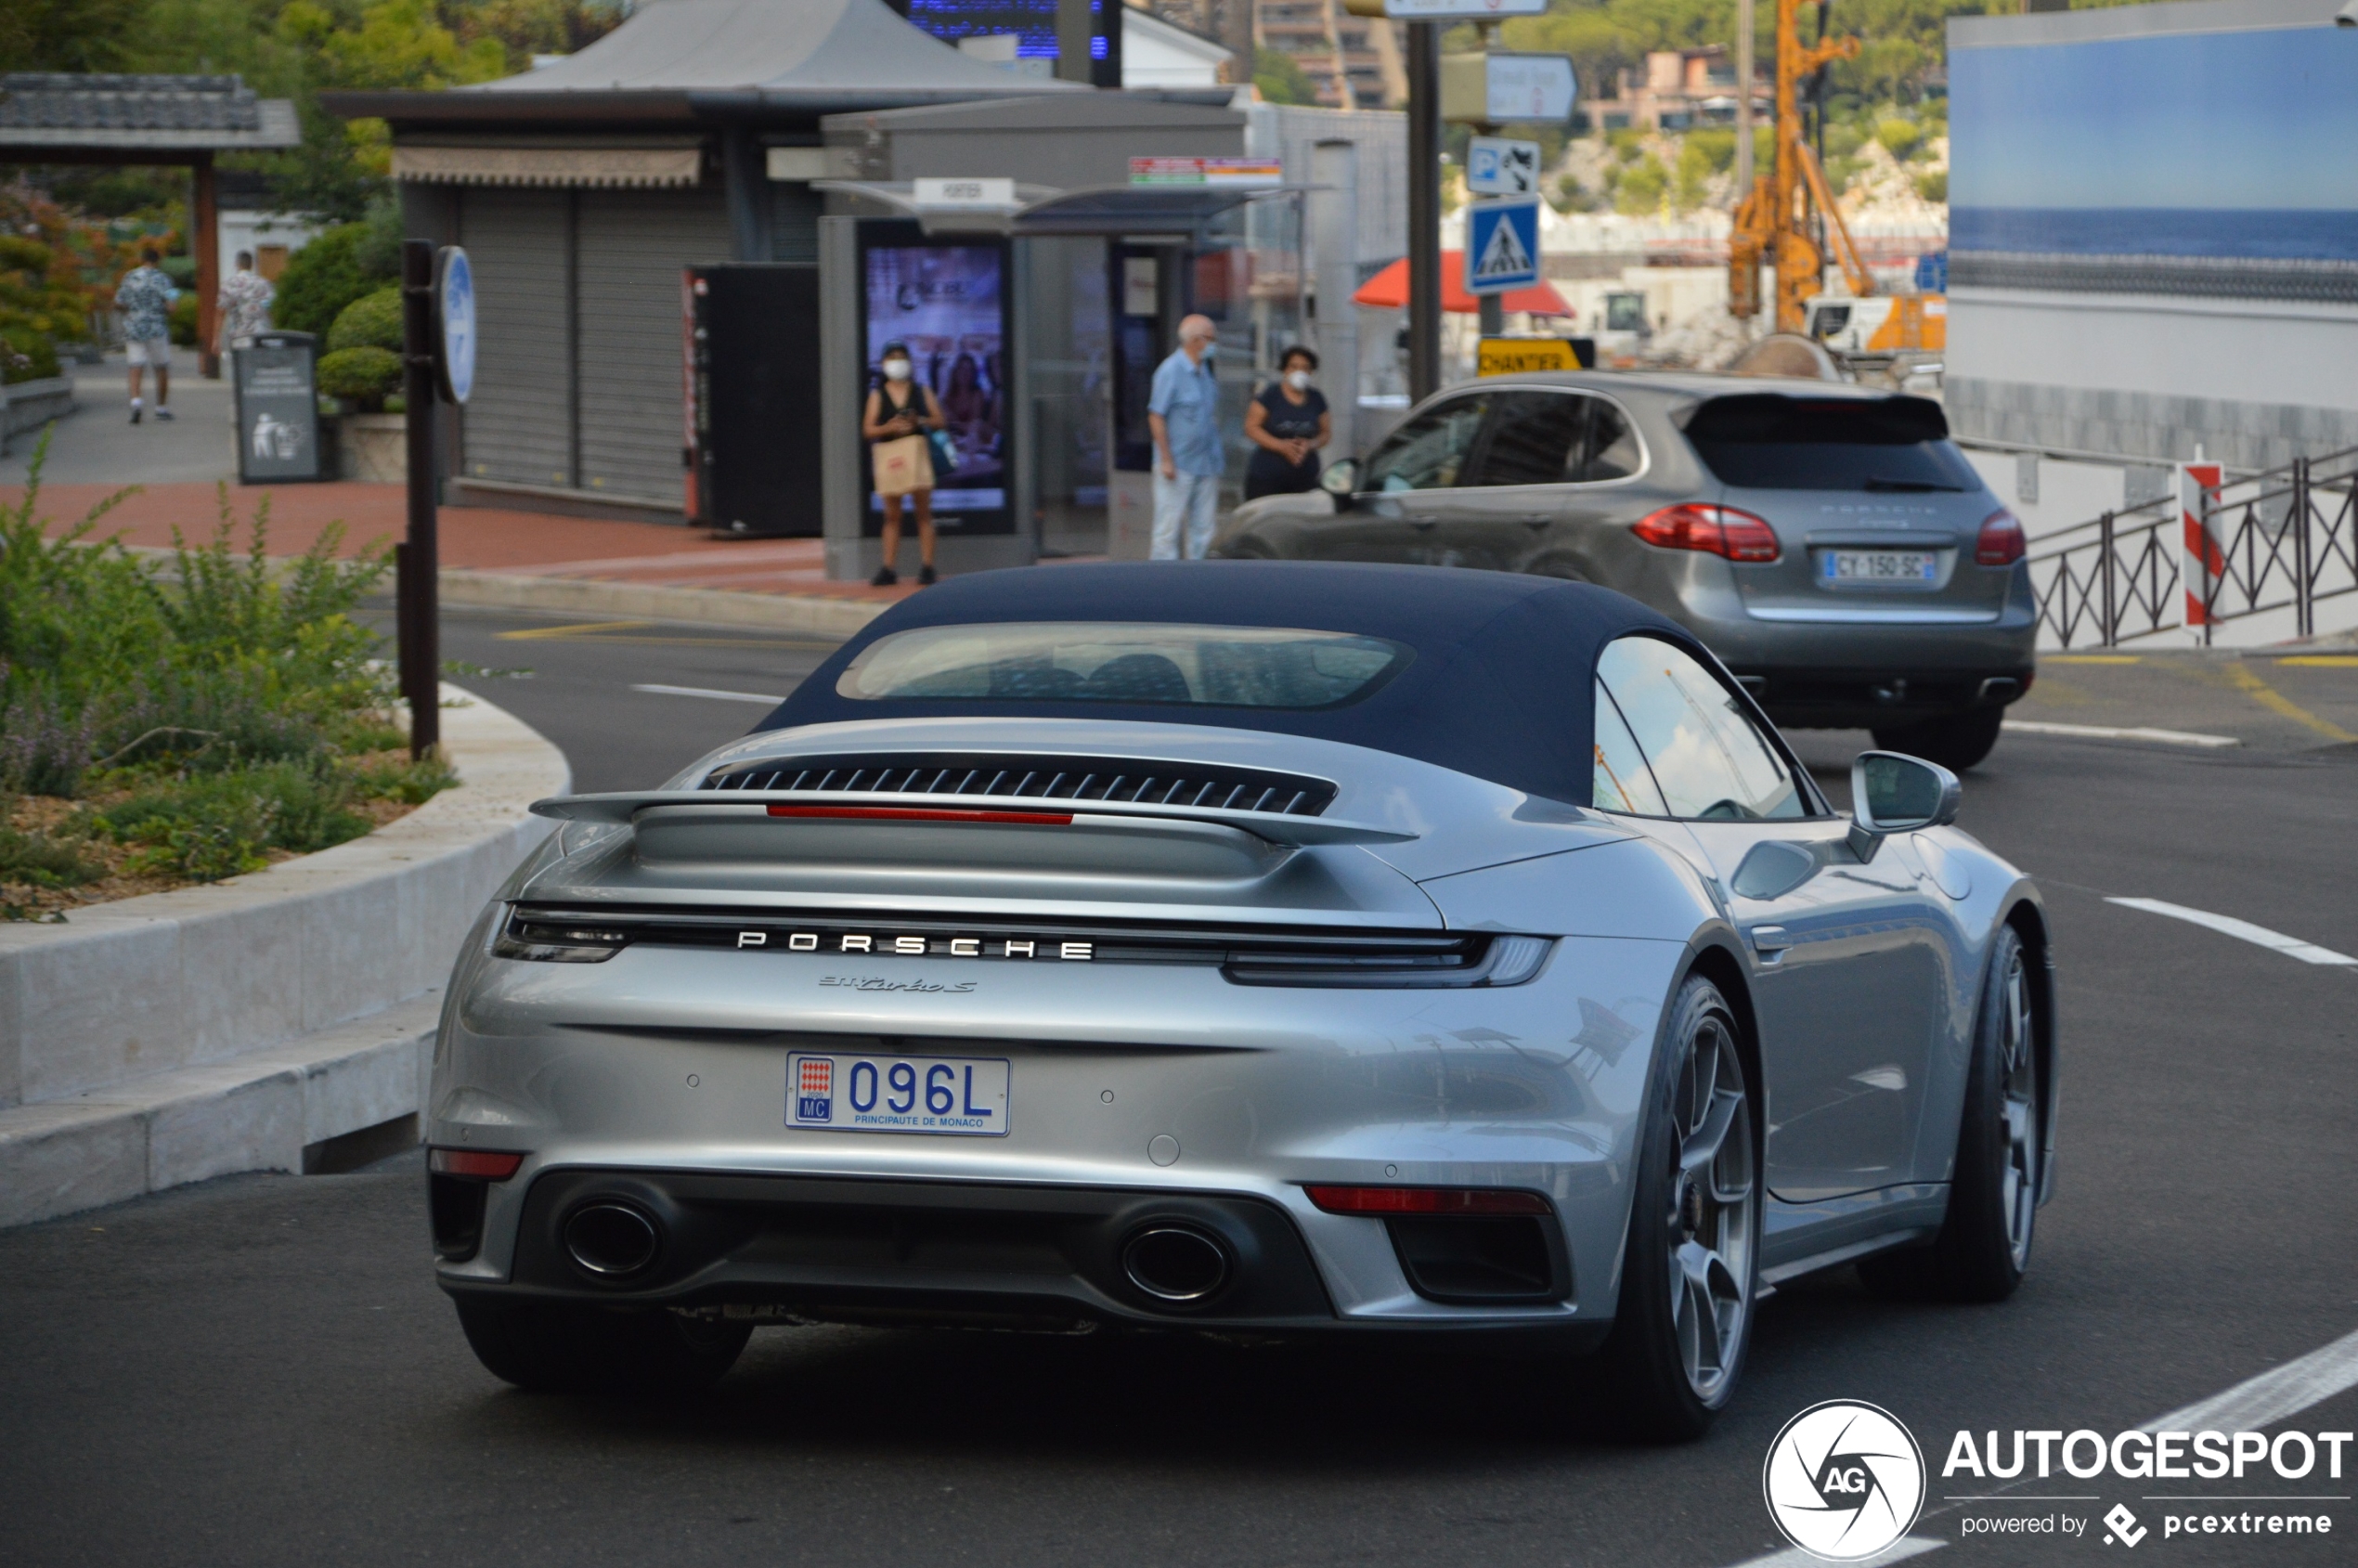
[1298, 379]
[896, 369]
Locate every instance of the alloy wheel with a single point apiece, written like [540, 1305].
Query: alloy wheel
[1712, 1200]
[2018, 1090]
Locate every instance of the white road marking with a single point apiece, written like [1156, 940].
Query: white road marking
[2112, 733]
[762, 698]
[2255, 1403]
[2272, 1395]
[2291, 947]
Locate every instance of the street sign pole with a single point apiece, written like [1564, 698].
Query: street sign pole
[1490, 309]
[417, 616]
[1424, 209]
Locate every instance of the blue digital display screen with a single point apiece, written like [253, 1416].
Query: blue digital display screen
[1032, 21]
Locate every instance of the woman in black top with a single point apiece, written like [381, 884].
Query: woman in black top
[1288, 423]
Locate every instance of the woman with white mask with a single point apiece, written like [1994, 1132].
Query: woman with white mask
[901, 409]
[1288, 422]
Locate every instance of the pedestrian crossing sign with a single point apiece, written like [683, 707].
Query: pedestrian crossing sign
[1502, 246]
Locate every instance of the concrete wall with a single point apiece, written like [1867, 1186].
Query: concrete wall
[2255, 382]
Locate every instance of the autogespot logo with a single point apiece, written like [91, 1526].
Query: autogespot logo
[1844, 1480]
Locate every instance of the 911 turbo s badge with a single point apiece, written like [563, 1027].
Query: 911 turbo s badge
[877, 982]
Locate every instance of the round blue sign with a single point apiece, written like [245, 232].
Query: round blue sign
[455, 312]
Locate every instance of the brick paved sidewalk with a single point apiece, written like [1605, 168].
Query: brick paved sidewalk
[520, 544]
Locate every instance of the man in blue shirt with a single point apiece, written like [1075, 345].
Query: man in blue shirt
[1184, 414]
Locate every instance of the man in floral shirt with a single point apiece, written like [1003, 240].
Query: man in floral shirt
[143, 301]
[245, 304]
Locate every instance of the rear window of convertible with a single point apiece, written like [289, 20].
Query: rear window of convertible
[1767, 441]
[1124, 662]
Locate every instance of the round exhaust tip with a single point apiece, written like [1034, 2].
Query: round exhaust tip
[1177, 1263]
[611, 1240]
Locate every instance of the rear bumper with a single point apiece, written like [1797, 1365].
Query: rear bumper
[1805, 698]
[1045, 1258]
[1845, 673]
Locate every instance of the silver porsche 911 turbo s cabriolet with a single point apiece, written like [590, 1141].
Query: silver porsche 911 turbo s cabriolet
[1261, 947]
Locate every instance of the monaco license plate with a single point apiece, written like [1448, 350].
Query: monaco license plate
[965, 1095]
[1878, 565]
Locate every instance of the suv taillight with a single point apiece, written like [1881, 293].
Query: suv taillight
[1716, 530]
[1999, 542]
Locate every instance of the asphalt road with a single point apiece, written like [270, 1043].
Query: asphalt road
[260, 1371]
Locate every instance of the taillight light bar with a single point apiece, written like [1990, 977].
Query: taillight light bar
[483, 1164]
[1426, 1200]
[2000, 542]
[925, 814]
[1714, 530]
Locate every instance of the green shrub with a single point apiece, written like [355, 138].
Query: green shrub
[40, 861]
[181, 322]
[209, 826]
[1639, 190]
[371, 321]
[336, 267]
[26, 355]
[234, 659]
[364, 375]
[1933, 185]
[1900, 135]
[413, 784]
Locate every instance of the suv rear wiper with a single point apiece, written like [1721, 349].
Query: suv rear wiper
[1912, 485]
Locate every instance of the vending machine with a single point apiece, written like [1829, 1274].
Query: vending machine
[750, 342]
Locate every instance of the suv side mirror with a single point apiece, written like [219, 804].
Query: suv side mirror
[1890, 794]
[1340, 480]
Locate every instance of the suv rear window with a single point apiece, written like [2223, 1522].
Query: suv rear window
[1770, 441]
[1123, 662]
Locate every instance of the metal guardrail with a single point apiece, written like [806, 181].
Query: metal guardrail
[2284, 538]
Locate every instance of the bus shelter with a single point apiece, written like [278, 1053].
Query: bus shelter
[1039, 316]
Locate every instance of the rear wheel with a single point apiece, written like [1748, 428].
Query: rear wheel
[1693, 1260]
[1984, 1245]
[1956, 742]
[557, 1348]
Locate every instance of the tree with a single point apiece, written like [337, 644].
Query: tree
[1281, 79]
[67, 35]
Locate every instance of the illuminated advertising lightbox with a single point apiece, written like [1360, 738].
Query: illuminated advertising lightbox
[947, 302]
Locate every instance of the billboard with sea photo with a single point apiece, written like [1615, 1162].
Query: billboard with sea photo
[2232, 143]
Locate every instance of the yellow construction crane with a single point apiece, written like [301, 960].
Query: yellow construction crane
[1773, 222]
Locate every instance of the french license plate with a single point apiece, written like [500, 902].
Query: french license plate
[965, 1095]
[1878, 565]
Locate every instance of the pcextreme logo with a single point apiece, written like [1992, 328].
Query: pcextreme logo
[1844, 1480]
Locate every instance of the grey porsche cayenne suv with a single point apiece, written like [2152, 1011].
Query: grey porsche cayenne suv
[1828, 542]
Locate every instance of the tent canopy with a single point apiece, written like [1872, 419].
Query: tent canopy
[1388, 290]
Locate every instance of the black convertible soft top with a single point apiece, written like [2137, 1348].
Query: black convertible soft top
[1501, 687]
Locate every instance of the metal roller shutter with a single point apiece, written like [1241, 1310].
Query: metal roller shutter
[518, 424]
[632, 246]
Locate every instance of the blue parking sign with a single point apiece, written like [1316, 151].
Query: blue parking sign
[1502, 246]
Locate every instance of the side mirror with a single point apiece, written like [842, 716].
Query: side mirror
[1340, 480]
[1890, 794]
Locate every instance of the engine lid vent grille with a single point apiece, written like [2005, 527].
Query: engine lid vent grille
[977, 776]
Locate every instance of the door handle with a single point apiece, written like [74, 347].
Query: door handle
[1767, 939]
[1422, 521]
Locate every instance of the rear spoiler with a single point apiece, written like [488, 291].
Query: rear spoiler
[625, 806]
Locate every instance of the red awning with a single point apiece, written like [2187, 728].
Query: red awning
[1388, 290]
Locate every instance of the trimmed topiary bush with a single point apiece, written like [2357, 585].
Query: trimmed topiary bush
[362, 375]
[371, 321]
[324, 277]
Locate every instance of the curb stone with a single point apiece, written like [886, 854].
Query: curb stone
[188, 1034]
